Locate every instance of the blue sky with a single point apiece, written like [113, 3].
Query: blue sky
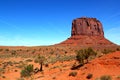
[46, 22]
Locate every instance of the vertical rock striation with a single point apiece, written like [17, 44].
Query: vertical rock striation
[87, 26]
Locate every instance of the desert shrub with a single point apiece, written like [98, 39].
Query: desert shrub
[20, 79]
[1, 70]
[33, 51]
[62, 58]
[53, 59]
[51, 52]
[6, 49]
[105, 77]
[10, 63]
[40, 59]
[1, 49]
[54, 78]
[13, 52]
[118, 77]
[117, 49]
[89, 76]
[27, 71]
[80, 57]
[21, 64]
[3, 77]
[29, 60]
[66, 58]
[66, 52]
[106, 51]
[27, 50]
[16, 70]
[73, 74]
[84, 54]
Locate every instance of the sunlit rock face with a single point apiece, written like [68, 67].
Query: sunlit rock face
[87, 26]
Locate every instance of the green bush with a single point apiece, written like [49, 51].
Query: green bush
[80, 57]
[27, 71]
[106, 51]
[105, 77]
[85, 54]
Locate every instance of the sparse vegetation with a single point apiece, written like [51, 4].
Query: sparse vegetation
[105, 77]
[89, 76]
[73, 74]
[27, 71]
[106, 51]
[61, 58]
[3, 77]
[118, 77]
[84, 54]
[48, 57]
[1, 50]
[13, 52]
[20, 79]
[6, 49]
[33, 51]
[40, 59]
[29, 60]
[1, 70]
[117, 49]
[54, 78]
[51, 52]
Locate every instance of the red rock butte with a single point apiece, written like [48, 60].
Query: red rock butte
[87, 32]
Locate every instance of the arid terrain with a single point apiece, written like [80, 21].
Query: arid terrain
[57, 65]
[85, 55]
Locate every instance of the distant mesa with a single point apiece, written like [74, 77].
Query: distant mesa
[87, 32]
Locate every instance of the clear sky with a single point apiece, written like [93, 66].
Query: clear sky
[46, 22]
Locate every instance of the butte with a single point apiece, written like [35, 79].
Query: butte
[87, 32]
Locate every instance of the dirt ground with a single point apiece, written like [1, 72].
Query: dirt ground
[11, 64]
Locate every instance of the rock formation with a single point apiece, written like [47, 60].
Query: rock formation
[87, 32]
[87, 26]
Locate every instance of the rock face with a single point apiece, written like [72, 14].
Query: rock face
[87, 26]
[87, 32]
